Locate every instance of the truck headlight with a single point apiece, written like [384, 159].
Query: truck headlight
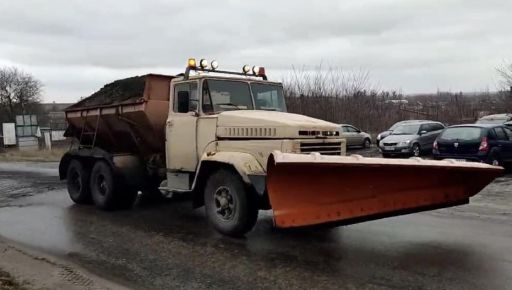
[404, 143]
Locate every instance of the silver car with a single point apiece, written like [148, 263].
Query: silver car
[388, 132]
[354, 136]
[412, 138]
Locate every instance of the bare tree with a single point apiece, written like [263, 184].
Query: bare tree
[505, 72]
[18, 90]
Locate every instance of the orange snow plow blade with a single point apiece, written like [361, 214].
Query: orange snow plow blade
[314, 189]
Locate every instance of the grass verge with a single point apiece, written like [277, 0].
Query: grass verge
[36, 155]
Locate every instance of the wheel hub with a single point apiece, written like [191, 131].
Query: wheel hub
[224, 203]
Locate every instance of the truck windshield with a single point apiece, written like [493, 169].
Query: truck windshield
[221, 95]
[226, 95]
[268, 97]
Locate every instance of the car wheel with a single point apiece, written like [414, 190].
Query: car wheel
[416, 150]
[495, 160]
[367, 143]
[77, 179]
[230, 207]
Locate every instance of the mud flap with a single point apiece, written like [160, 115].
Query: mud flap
[314, 189]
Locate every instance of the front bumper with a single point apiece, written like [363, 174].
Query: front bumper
[471, 157]
[397, 150]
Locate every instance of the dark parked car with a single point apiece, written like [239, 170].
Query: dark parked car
[488, 143]
[388, 132]
[411, 138]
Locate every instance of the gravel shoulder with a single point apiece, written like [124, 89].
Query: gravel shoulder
[21, 268]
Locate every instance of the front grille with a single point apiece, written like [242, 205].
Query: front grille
[318, 133]
[324, 148]
[389, 144]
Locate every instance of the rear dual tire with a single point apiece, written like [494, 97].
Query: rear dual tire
[98, 185]
[78, 183]
[107, 192]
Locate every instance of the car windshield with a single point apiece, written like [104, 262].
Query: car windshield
[461, 133]
[227, 95]
[268, 97]
[406, 130]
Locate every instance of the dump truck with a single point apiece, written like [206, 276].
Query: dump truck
[226, 139]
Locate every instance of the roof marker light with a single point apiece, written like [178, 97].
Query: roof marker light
[192, 63]
[203, 63]
[255, 70]
[214, 64]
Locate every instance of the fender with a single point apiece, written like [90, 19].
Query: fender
[247, 166]
[94, 153]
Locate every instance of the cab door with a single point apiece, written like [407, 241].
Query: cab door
[181, 135]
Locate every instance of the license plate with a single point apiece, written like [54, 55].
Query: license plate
[461, 160]
[391, 148]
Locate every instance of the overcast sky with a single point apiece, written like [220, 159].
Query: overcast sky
[74, 47]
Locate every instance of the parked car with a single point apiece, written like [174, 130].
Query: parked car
[411, 138]
[388, 132]
[488, 143]
[496, 119]
[354, 136]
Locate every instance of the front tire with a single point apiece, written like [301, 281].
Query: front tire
[367, 143]
[230, 207]
[77, 179]
[416, 150]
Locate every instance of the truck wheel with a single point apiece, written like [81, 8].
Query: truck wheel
[230, 207]
[77, 178]
[102, 186]
[108, 194]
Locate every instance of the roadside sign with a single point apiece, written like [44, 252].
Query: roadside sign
[9, 132]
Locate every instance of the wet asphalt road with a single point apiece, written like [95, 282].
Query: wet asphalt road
[169, 245]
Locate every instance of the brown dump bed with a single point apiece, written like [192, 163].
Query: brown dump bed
[125, 116]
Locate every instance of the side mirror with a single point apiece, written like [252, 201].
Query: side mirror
[183, 102]
[423, 132]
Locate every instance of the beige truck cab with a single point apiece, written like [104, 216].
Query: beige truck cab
[219, 134]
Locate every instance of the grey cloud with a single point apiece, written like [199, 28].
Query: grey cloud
[414, 45]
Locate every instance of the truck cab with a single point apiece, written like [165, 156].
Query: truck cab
[228, 126]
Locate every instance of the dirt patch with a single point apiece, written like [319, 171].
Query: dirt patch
[119, 91]
[7, 282]
[42, 272]
[36, 155]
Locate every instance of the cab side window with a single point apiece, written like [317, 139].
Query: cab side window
[500, 134]
[352, 130]
[191, 88]
[426, 127]
[437, 127]
[508, 132]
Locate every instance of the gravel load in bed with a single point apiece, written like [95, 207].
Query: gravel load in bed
[120, 91]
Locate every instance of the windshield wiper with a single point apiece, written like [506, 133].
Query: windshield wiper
[229, 104]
